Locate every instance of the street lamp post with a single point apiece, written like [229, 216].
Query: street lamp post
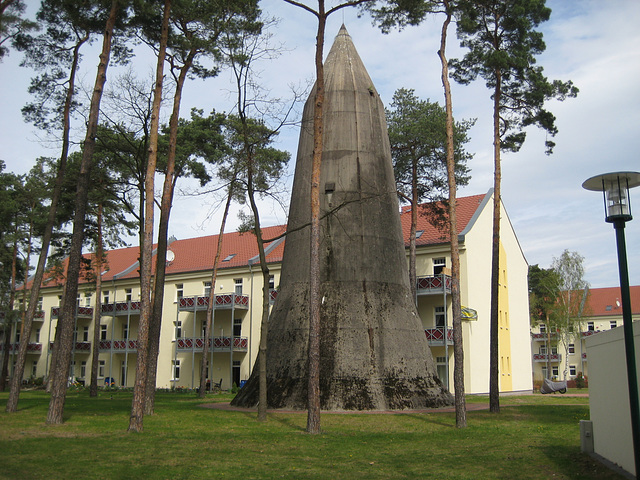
[615, 187]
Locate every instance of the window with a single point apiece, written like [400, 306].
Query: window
[105, 297]
[440, 316]
[78, 300]
[543, 350]
[207, 289]
[34, 368]
[101, 365]
[176, 369]
[178, 325]
[590, 327]
[17, 336]
[127, 294]
[229, 257]
[438, 265]
[125, 331]
[419, 233]
[572, 348]
[272, 282]
[572, 370]
[554, 350]
[87, 299]
[103, 332]
[238, 286]
[543, 328]
[179, 291]
[37, 335]
[237, 327]
[544, 372]
[39, 303]
[554, 371]
[83, 369]
[613, 323]
[85, 334]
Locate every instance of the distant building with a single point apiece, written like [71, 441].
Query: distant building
[238, 288]
[602, 312]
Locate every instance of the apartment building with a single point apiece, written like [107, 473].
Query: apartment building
[602, 312]
[238, 287]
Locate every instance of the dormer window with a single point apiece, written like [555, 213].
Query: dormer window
[229, 257]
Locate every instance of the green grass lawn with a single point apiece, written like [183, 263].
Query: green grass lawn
[534, 437]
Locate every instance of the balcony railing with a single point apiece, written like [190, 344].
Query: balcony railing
[433, 284]
[81, 312]
[225, 300]
[240, 344]
[542, 357]
[435, 336]
[31, 347]
[121, 308]
[588, 333]
[543, 336]
[78, 346]
[118, 345]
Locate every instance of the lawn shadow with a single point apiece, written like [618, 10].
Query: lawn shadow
[429, 418]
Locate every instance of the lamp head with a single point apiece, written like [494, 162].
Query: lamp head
[615, 187]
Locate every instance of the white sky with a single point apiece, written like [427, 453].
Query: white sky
[596, 44]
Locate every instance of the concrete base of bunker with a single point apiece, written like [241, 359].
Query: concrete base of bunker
[374, 355]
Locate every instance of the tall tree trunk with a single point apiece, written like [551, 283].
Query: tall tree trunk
[413, 278]
[212, 301]
[313, 398]
[262, 351]
[68, 310]
[456, 307]
[4, 371]
[12, 402]
[170, 179]
[139, 389]
[494, 380]
[95, 347]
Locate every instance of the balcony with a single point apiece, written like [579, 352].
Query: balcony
[118, 345]
[31, 347]
[121, 308]
[77, 346]
[81, 312]
[433, 284]
[223, 301]
[435, 336]
[588, 333]
[220, 344]
[543, 336]
[543, 357]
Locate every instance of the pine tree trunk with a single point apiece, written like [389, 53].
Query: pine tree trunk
[413, 278]
[12, 402]
[95, 347]
[68, 310]
[212, 302]
[313, 394]
[4, 370]
[456, 307]
[494, 380]
[139, 389]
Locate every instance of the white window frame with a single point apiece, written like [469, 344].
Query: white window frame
[175, 368]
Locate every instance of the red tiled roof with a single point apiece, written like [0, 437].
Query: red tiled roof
[197, 254]
[465, 209]
[607, 301]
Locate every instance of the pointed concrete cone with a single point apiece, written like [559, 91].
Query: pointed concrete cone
[374, 352]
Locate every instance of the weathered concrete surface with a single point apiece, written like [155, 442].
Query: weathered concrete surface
[374, 353]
